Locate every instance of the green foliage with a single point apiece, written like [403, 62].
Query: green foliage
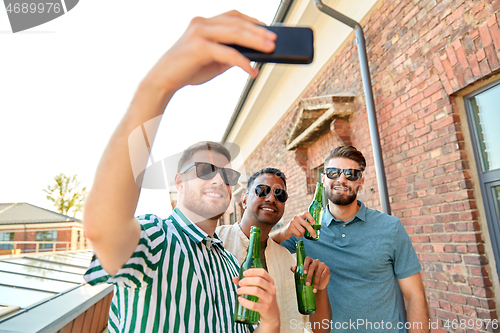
[66, 194]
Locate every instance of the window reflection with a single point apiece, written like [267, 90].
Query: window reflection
[487, 117]
[28, 279]
[47, 235]
[22, 297]
[35, 271]
[9, 237]
[48, 265]
[34, 283]
[496, 200]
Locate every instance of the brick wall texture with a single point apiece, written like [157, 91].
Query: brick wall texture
[63, 235]
[421, 53]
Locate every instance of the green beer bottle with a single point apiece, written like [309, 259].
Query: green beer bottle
[242, 314]
[316, 211]
[306, 299]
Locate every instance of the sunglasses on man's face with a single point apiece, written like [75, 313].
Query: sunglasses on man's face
[263, 191]
[350, 174]
[207, 171]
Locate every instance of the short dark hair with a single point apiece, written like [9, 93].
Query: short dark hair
[349, 152]
[202, 145]
[273, 171]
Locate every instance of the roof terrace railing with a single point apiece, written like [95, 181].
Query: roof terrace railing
[17, 247]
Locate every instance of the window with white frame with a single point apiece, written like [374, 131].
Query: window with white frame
[47, 236]
[7, 237]
[483, 115]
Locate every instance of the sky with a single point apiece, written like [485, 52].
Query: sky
[65, 85]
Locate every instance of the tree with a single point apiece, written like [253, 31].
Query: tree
[66, 194]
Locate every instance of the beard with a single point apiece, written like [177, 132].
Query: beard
[343, 199]
[205, 207]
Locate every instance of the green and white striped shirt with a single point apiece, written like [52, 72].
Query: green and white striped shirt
[179, 279]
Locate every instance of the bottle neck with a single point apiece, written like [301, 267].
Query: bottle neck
[318, 195]
[254, 245]
[301, 255]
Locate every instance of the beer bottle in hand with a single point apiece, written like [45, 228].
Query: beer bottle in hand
[316, 211]
[306, 299]
[242, 314]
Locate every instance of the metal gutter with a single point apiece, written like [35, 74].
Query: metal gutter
[280, 16]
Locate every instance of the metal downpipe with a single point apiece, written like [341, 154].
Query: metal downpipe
[370, 105]
[372, 118]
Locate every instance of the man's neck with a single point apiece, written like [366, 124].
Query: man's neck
[247, 223]
[207, 225]
[344, 213]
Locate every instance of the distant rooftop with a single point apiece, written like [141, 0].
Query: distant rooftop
[25, 213]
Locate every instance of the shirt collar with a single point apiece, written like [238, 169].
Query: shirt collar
[244, 238]
[360, 215]
[241, 234]
[193, 231]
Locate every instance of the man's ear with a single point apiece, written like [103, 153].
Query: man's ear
[361, 183]
[323, 178]
[244, 200]
[179, 183]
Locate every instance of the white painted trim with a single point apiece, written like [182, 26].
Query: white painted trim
[278, 87]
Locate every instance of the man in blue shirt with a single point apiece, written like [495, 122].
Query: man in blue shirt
[368, 253]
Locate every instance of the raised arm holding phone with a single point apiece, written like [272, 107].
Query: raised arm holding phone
[173, 274]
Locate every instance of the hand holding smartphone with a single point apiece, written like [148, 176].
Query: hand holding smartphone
[294, 45]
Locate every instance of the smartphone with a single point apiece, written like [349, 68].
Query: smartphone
[294, 45]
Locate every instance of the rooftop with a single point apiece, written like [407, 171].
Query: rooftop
[25, 213]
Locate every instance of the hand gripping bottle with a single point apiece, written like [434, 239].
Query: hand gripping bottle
[242, 314]
[306, 300]
[316, 211]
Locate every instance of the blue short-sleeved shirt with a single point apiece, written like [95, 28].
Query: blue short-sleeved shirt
[366, 256]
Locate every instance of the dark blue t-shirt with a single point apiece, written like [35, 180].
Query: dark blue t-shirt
[366, 256]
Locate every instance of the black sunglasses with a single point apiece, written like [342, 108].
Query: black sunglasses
[350, 174]
[263, 191]
[207, 171]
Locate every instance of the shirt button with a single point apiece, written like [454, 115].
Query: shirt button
[343, 225]
[343, 235]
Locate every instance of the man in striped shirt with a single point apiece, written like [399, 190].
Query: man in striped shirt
[174, 275]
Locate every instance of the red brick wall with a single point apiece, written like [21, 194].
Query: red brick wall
[420, 54]
[64, 235]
